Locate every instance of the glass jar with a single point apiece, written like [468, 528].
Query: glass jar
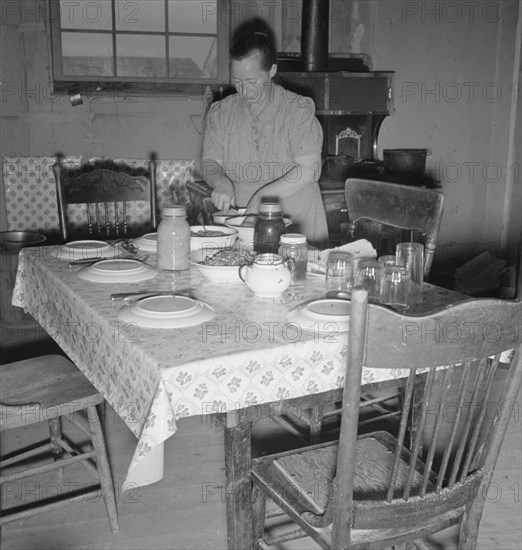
[294, 251]
[269, 228]
[173, 239]
[339, 275]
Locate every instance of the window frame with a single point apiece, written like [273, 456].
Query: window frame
[134, 84]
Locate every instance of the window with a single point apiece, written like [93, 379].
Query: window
[143, 42]
[161, 45]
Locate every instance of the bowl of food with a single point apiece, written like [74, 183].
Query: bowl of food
[220, 217]
[246, 232]
[223, 266]
[211, 237]
[15, 240]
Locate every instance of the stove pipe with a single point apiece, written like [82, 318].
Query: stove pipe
[315, 34]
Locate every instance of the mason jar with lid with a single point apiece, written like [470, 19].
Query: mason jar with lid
[173, 239]
[269, 228]
[294, 250]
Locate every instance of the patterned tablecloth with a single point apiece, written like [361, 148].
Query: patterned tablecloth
[248, 354]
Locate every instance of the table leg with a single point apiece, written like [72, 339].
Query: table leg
[238, 485]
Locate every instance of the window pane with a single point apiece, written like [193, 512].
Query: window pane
[85, 15]
[140, 15]
[87, 54]
[192, 57]
[197, 16]
[142, 56]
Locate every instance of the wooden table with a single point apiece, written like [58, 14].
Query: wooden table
[241, 365]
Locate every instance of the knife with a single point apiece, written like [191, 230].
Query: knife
[90, 261]
[86, 261]
[125, 295]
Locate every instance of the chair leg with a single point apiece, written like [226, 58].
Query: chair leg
[469, 526]
[55, 433]
[258, 515]
[103, 466]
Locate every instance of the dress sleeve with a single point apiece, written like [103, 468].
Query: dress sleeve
[306, 133]
[213, 138]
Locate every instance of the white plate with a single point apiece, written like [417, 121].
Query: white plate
[117, 271]
[324, 316]
[166, 312]
[79, 250]
[147, 243]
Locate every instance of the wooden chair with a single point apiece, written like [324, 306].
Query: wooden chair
[385, 489]
[106, 189]
[411, 209]
[51, 388]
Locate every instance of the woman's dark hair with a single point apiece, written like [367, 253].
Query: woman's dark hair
[254, 35]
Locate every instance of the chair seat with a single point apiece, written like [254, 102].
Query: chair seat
[304, 476]
[53, 382]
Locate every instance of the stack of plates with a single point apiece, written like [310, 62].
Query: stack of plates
[80, 250]
[167, 312]
[117, 271]
[324, 316]
[147, 243]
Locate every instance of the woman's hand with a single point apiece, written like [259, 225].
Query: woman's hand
[223, 197]
[253, 205]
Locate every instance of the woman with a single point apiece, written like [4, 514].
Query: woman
[265, 142]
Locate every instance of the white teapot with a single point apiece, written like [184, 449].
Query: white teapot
[268, 277]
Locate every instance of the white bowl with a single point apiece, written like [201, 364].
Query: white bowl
[15, 240]
[220, 217]
[220, 273]
[246, 234]
[212, 243]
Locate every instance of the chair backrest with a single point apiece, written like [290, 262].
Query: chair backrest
[451, 425]
[401, 206]
[106, 189]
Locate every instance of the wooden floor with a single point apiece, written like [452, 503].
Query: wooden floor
[186, 510]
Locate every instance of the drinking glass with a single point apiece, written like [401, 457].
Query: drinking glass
[412, 256]
[368, 274]
[339, 277]
[388, 260]
[396, 287]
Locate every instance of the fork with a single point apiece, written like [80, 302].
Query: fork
[129, 246]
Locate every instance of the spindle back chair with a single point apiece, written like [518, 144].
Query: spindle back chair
[106, 189]
[383, 489]
[412, 209]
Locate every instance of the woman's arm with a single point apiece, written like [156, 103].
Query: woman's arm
[306, 171]
[222, 187]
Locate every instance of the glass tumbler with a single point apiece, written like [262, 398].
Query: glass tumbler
[339, 275]
[368, 274]
[412, 256]
[396, 287]
[388, 260]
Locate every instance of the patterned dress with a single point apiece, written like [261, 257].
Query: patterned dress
[255, 150]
